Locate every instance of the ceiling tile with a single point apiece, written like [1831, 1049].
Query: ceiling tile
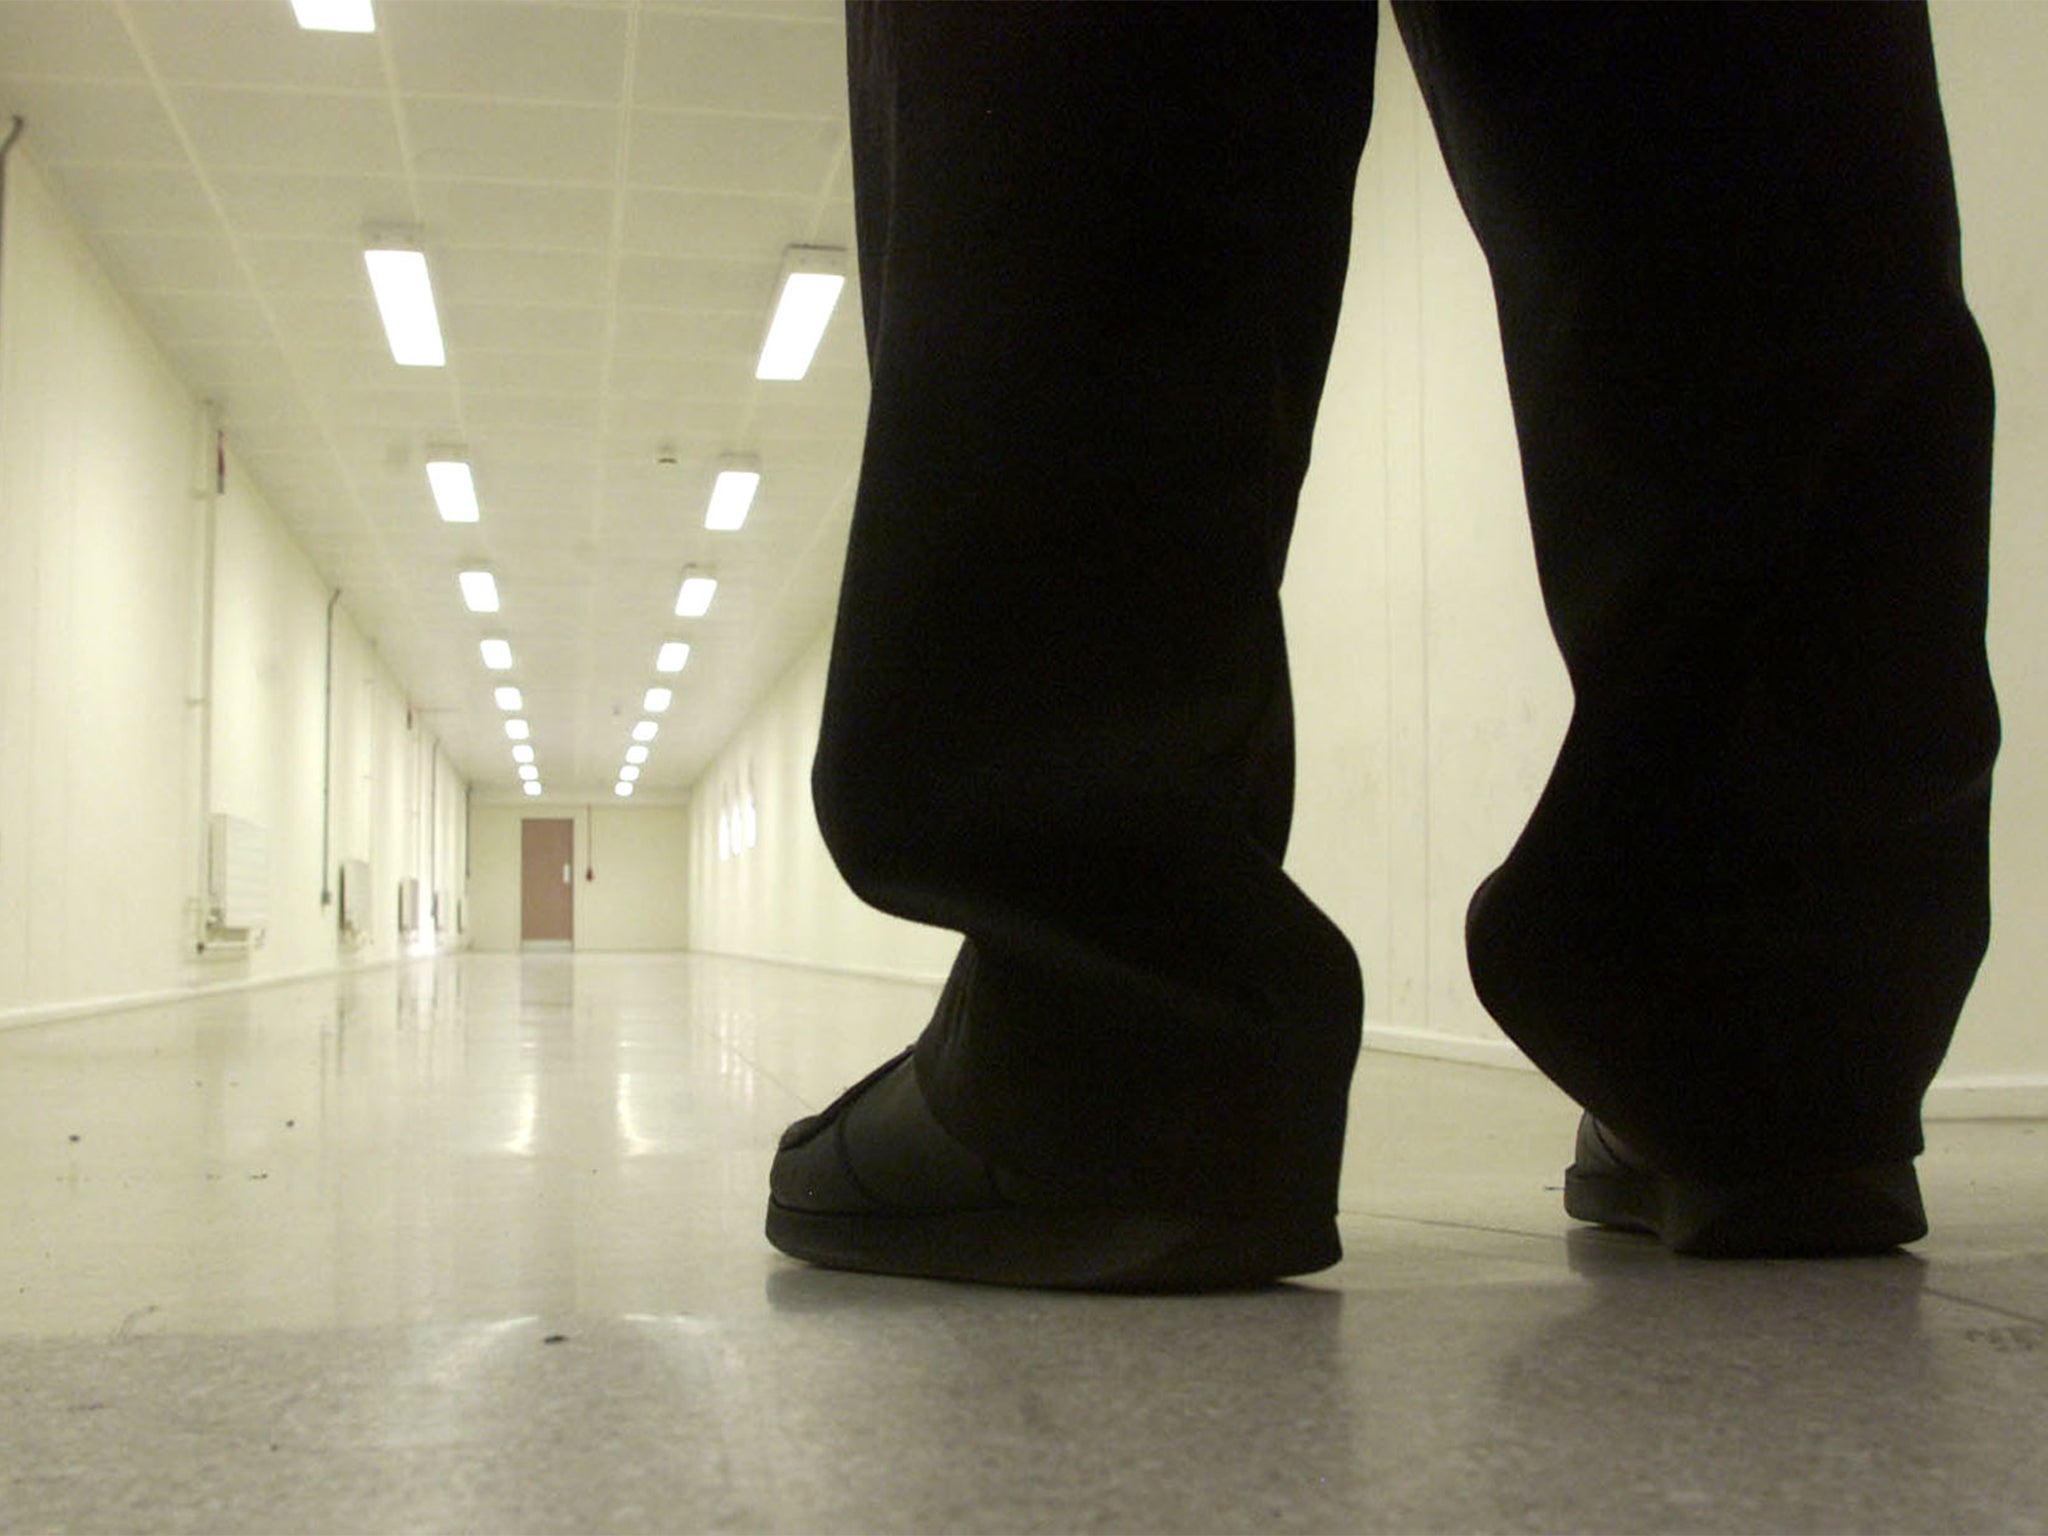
[520, 216]
[82, 40]
[694, 151]
[306, 206]
[685, 334]
[244, 43]
[741, 62]
[289, 130]
[82, 120]
[459, 139]
[481, 275]
[519, 371]
[222, 318]
[714, 224]
[166, 199]
[566, 53]
[143, 260]
[658, 282]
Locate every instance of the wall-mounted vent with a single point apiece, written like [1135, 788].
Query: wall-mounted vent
[356, 905]
[237, 879]
[409, 906]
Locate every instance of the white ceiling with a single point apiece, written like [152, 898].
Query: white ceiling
[604, 191]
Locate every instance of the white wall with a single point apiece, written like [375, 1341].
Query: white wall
[105, 772]
[782, 899]
[631, 873]
[1990, 58]
[1430, 696]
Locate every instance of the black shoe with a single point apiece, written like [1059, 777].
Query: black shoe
[1792, 1215]
[875, 1183]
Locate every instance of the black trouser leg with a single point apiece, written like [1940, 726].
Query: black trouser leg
[1102, 251]
[1755, 422]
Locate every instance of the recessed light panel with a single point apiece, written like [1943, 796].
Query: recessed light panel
[731, 495]
[657, 700]
[479, 591]
[508, 699]
[523, 753]
[335, 15]
[646, 730]
[454, 490]
[497, 654]
[811, 284]
[518, 730]
[405, 300]
[693, 598]
[672, 656]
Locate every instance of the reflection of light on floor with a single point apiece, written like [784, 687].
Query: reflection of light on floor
[631, 1132]
[735, 1068]
[423, 943]
[521, 1141]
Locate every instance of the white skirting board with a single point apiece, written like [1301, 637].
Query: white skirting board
[53, 1013]
[2019, 1096]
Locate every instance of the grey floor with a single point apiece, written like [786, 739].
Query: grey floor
[474, 1245]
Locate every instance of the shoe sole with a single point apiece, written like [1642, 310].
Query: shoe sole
[1863, 1211]
[1059, 1250]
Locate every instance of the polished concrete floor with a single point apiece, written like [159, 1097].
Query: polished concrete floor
[474, 1245]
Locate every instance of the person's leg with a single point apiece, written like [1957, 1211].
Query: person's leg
[1102, 250]
[1755, 423]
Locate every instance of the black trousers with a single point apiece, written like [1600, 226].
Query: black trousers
[1101, 252]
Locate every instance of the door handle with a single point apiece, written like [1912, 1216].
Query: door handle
[565, 876]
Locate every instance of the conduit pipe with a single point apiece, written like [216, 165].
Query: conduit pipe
[213, 469]
[327, 768]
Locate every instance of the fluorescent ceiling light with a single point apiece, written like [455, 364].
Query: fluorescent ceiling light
[528, 772]
[693, 599]
[623, 790]
[533, 786]
[522, 753]
[405, 298]
[636, 753]
[508, 699]
[497, 655]
[732, 493]
[671, 657]
[646, 730]
[454, 490]
[479, 591]
[518, 730]
[657, 700]
[335, 15]
[812, 280]
[629, 774]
